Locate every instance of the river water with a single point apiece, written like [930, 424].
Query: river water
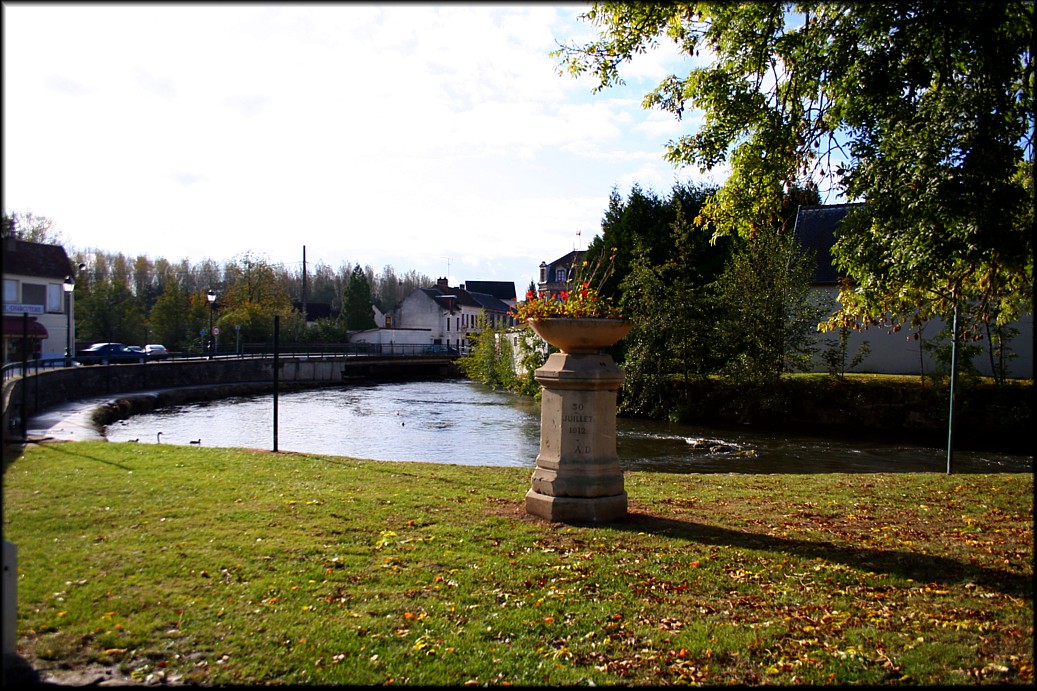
[461, 422]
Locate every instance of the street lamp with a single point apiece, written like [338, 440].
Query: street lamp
[69, 286]
[212, 301]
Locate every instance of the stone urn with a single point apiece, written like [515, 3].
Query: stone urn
[578, 478]
[574, 335]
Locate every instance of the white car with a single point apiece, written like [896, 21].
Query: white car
[156, 351]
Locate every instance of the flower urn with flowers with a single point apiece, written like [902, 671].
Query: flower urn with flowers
[577, 478]
[579, 320]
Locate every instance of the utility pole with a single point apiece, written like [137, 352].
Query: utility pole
[304, 312]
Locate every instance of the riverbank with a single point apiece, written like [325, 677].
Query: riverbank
[164, 562]
[988, 417]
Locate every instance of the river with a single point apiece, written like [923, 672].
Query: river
[461, 422]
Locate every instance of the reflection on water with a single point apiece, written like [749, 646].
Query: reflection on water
[464, 423]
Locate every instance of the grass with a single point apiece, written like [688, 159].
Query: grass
[228, 566]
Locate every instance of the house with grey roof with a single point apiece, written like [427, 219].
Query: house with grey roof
[555, 276]
[35, 302]
[902, 352]
[444, 316]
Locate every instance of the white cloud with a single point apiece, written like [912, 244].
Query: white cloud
[377, 134]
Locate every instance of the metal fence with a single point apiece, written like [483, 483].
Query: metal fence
[255, 350]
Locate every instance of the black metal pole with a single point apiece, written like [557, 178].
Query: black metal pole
[954, 382]
[277, 367]
[68, 328]
[25, 373]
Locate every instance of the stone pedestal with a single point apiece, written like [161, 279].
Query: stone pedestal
[578, 478]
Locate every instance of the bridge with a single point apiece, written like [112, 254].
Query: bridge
[33, 387]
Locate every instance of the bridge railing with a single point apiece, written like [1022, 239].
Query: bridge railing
[331, 349]
[259, 350]
[16, 369]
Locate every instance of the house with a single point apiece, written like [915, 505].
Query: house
[889, 353]
[446, 316]
[315, 310]
[555, 277]
[502, 290]
[36, 300]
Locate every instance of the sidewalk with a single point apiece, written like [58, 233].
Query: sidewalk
[67, 422]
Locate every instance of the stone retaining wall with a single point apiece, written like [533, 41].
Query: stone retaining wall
[224, 377]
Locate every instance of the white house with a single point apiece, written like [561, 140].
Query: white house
[442, 316]
[890, 353]
[35, 285]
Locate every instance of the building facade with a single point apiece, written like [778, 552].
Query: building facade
[36, 301]
[448, 317]
[557, 275]
[902, 352]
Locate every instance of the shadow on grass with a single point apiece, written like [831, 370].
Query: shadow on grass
[923, 568]
[58, 447]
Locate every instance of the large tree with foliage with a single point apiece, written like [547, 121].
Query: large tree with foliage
[357, 302]
[255, 295]
[27, 226]
[642, 224]
[108, 312]
[767, 323]
[925, 110]
[169, 321]
[669, 299]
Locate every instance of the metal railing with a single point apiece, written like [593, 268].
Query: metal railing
[255, 350]
[16, 369]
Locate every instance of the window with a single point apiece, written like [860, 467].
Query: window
[10, 290]
[560, 275]
[54, 293]
[34, 294]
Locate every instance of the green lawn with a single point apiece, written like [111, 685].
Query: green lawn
[221, 566]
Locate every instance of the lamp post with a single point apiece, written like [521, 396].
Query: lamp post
[212, 301]
[69, 286]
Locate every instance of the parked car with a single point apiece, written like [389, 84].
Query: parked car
[156, 351]
[100, 353]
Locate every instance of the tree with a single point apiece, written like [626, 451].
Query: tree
[673, 310]
[170, 319]
[109, 313]
[768, 324]
[643, 221]
[924, 110]
[27, 226]
[491, 360]
[257, 293]
[357, 302]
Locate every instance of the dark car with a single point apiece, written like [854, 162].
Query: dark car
[101, 353]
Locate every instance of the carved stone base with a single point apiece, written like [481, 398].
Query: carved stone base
[578, 477]
[576, 509]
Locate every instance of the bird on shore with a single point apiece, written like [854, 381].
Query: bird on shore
[196, 441]
[134, 441]
[158, 438]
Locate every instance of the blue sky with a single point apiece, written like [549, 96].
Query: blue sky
[434, 138]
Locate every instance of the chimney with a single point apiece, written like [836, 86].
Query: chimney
[442, 283]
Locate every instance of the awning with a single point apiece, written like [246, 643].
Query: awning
[13, 327]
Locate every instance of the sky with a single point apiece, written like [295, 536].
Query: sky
[432, 138]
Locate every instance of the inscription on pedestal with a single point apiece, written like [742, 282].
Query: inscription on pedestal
[579, 425]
